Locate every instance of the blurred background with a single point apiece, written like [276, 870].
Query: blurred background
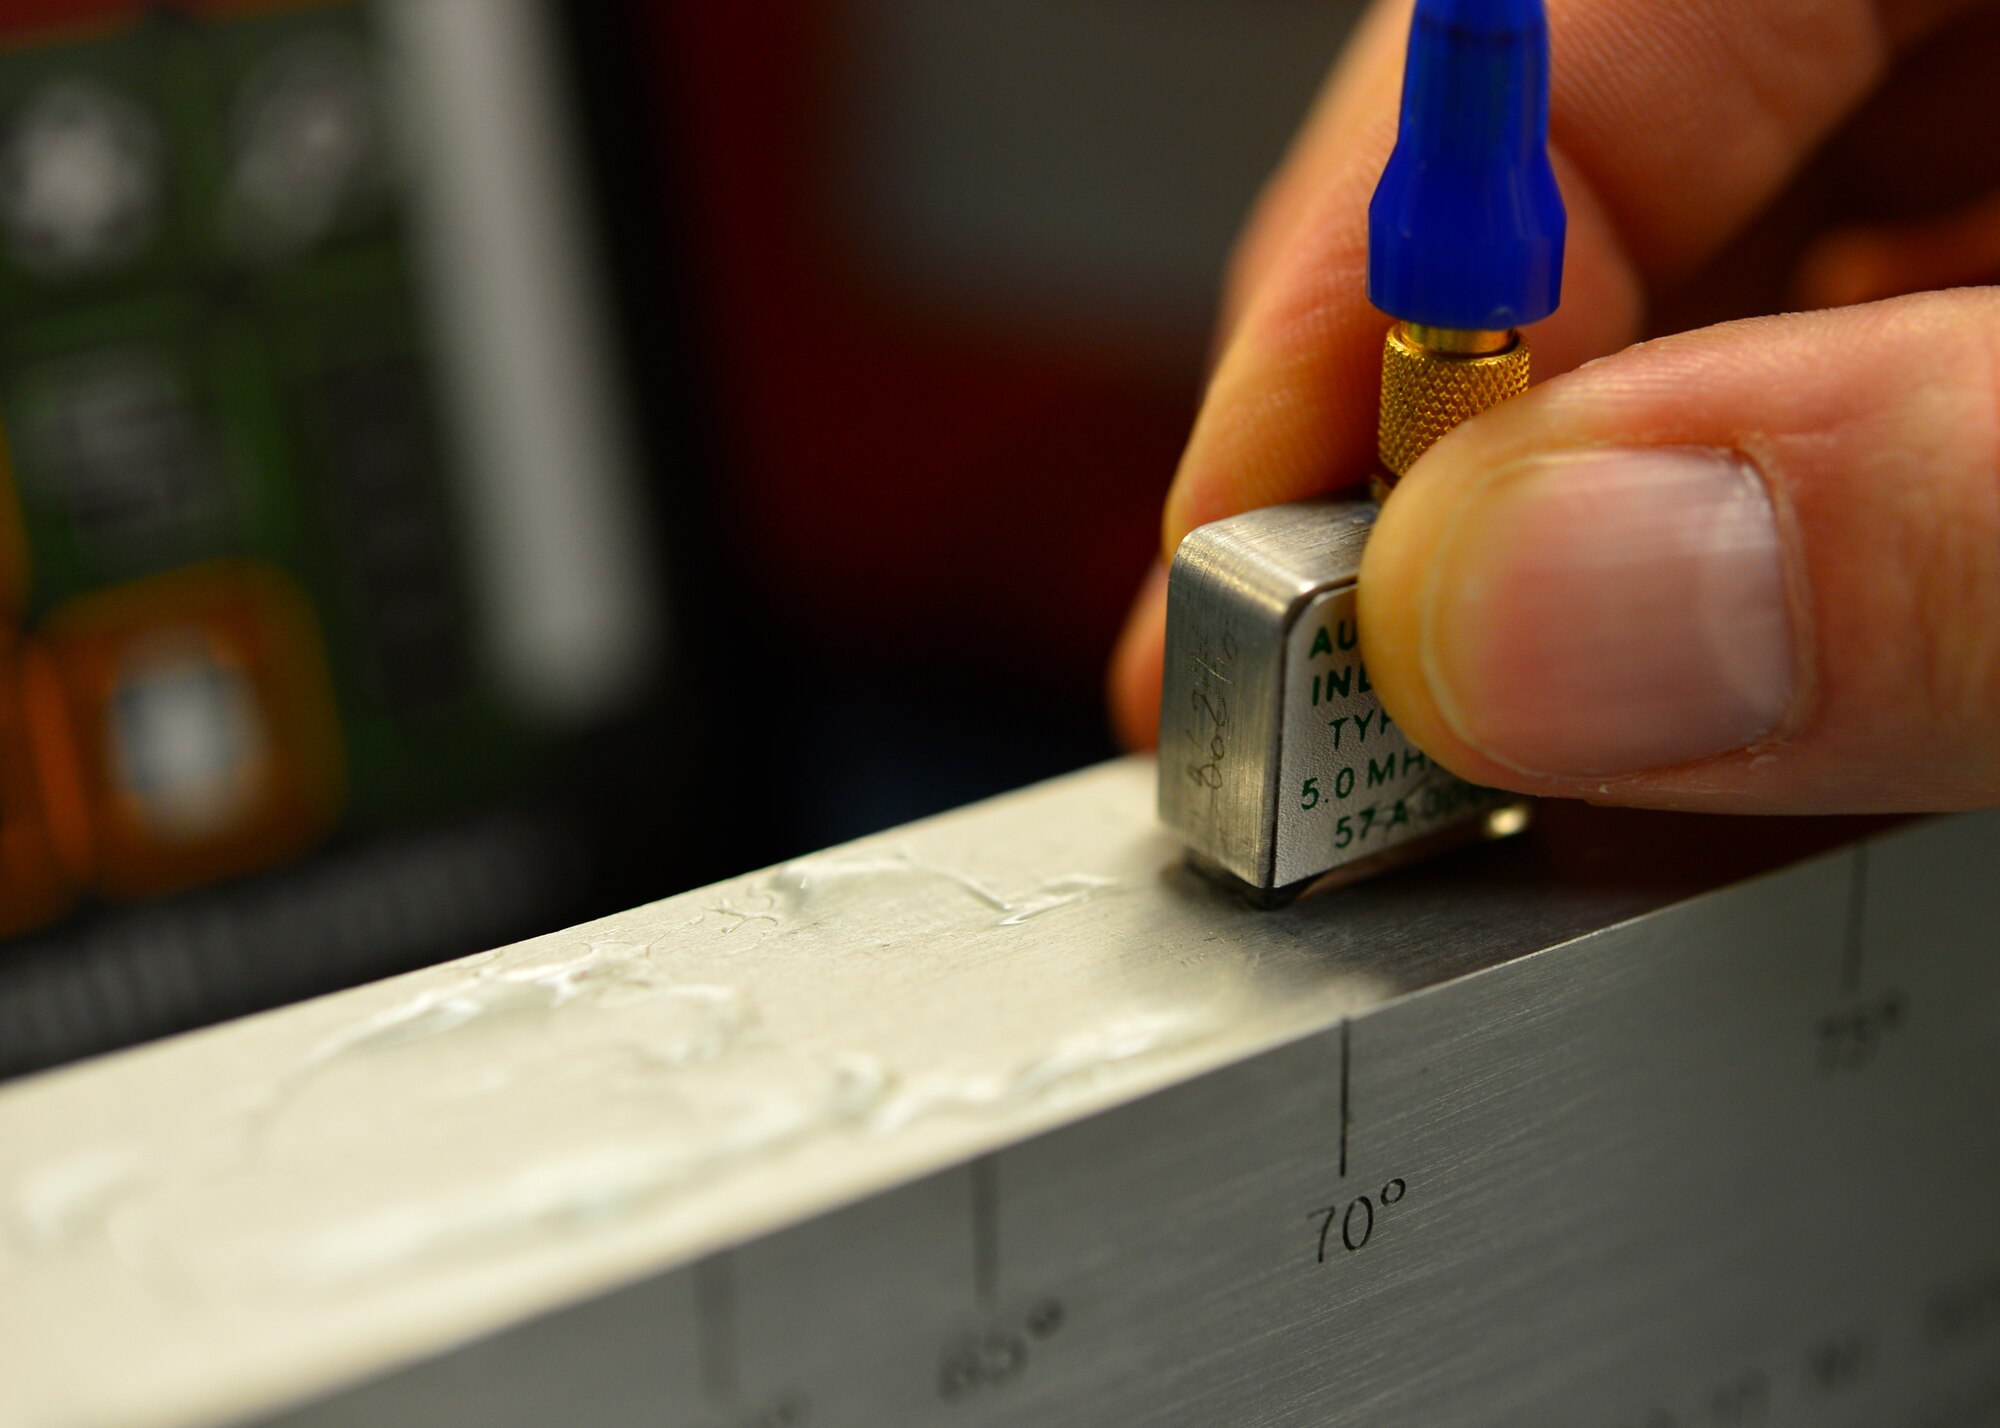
[471, 465]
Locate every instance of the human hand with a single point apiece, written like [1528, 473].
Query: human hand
[1752, 567]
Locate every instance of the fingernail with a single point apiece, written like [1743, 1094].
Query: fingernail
[1606, 612]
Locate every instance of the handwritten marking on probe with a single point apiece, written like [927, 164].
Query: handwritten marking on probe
[1207, 731]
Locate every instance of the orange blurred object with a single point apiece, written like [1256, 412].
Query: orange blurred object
[35, 888]
[15, 563]
[188, 727]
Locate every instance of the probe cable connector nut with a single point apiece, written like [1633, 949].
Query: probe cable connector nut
[1432, 380]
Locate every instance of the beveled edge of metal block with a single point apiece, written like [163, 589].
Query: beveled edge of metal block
[1232, 591]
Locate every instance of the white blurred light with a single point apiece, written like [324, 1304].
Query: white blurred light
[79, 180]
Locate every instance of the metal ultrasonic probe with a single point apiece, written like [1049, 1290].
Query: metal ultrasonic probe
[1279, 768]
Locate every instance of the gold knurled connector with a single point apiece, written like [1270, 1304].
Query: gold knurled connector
[1427, 390]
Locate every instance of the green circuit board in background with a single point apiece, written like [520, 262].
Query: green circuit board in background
[211, 350]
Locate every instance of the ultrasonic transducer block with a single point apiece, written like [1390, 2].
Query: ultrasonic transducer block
[1279, 767]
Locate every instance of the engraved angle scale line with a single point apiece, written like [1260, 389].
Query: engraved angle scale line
[1346, 1070]
[1857, 911]
[1853, 1032]
[984, 1174]
[1348, 1224]
[715, 1329]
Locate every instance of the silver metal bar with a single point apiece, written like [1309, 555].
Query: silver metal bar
[1004, 1118]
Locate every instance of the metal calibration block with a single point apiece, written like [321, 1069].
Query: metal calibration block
[1278, 765]
[984, 1122]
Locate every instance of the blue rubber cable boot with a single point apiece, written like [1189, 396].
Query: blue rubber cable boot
[1466, 227]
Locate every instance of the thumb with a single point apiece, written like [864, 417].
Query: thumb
[1754, 568]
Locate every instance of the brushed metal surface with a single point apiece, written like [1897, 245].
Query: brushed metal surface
[1005, 1118]
[1646, 1177]
[1278, 764]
